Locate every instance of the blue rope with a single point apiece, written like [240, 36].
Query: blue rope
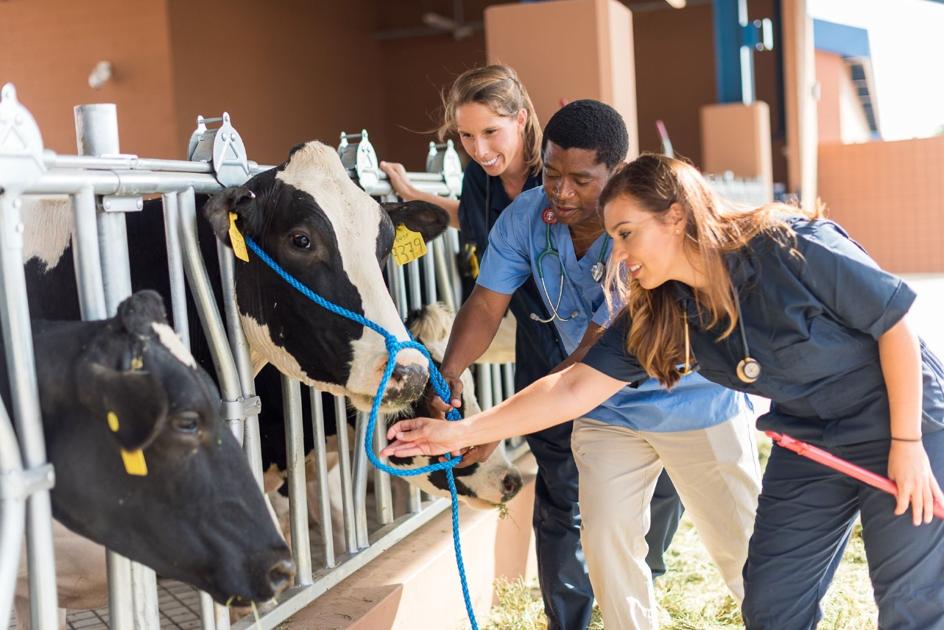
[393, 346]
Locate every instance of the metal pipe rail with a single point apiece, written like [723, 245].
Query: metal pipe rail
[132, 163]
[20, 163]
[12, 512]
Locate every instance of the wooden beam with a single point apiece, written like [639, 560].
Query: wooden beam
[800, 87]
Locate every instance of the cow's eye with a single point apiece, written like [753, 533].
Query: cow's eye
[301, 241]
[187, 422]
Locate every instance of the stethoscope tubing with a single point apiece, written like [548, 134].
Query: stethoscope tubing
[550, 250]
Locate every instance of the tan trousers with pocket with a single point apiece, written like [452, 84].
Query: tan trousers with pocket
[717, 476]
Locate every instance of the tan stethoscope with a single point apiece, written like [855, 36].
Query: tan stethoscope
[748, 369]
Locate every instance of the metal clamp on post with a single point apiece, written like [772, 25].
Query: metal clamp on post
[20, 484]
[758, 34]
[21, 145]
[222, 147]
[443, 159]
[359, 158]
[121, 203]
[242, 408]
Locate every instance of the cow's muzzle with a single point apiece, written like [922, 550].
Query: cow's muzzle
[406, 384]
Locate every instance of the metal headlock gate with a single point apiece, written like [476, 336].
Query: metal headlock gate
[104, 184]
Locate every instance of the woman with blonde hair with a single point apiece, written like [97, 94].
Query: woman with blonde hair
[782, 304]
[491, 112]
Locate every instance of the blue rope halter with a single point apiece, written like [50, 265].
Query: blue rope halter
[439, 384]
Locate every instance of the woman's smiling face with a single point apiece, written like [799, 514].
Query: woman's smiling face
[650, 244]
[495, 142]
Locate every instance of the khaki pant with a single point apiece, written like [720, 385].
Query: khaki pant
[717, 476]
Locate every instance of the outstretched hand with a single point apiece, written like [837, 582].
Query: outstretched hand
[423, 436]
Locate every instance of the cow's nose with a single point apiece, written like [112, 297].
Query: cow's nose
[407, 382]
[280, 575]
[511, 485]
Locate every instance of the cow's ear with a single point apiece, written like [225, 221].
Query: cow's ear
[138, 312]
[238, 199]
[426, 218]
[132, 402]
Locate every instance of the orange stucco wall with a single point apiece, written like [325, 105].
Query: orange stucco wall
[736, 137]
[292, 70]
[829, 69]
[839, 115]
[286, 71]
[48, 48]
[890, 196]
[591, 55]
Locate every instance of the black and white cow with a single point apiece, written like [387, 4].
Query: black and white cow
[318, 225]
[192, 511]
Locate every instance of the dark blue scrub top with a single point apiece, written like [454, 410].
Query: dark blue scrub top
[537, 346]
[813, 321]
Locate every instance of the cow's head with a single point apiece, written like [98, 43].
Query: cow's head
[128, 385]
[333, 237]
[481, 485]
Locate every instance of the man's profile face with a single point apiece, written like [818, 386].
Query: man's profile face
[573, 180]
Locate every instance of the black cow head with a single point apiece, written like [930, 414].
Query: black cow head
[333, 237]
[144, 464]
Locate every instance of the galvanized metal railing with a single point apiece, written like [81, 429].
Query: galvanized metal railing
[103, 185]
[20, 165]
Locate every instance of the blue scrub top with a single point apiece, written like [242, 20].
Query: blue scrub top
[537, 347]
[515, 245]
[813, 318]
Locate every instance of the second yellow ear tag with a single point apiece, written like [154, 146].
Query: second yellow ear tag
[134, 462]
[407, 245]
[236, 239]
[474, 262]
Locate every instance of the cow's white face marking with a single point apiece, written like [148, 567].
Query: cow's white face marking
[174, 345]
[355, 218]
[47, 228]
[261, 348]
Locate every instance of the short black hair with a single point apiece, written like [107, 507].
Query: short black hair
[589, 124]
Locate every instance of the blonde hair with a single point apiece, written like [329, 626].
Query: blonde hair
[713, 228]
[498, 88]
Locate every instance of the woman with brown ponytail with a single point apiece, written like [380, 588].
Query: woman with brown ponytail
[782, 304]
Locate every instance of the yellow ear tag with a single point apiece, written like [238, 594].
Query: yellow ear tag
[407, 245]
[113, 421]
[134, 462]
[236, 239]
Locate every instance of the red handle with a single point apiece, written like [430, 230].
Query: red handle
[837, 463]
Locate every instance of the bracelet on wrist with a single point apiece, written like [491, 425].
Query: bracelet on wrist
[900, 439]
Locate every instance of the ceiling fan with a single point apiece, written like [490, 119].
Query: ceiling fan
[459, 28]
